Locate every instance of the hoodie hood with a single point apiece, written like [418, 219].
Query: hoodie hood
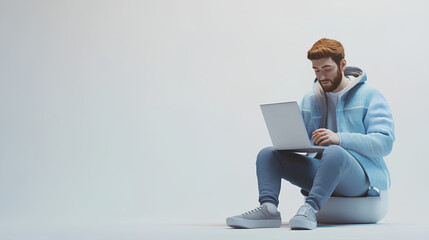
[356, 75]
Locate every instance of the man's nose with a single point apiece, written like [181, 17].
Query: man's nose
[322, 77]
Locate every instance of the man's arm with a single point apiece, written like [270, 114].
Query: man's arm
[379, 137]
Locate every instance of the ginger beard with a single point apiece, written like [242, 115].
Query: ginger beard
[334, 83]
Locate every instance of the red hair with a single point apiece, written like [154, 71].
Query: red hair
[327, 48]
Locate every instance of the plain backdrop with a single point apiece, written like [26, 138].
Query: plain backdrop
[148, 111]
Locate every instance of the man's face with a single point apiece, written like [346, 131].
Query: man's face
[328, 73]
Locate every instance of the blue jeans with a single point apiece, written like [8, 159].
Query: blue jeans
[336, 173]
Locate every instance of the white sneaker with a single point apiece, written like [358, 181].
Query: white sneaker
[304, 219]
[259, 217]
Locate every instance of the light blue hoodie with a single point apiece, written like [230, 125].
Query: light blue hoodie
[364, 123]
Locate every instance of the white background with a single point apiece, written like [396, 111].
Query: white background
[148, 111]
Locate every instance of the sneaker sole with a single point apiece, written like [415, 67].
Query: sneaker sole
[247, 223]
[302, 225]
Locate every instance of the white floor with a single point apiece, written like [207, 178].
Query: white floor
[386, 230]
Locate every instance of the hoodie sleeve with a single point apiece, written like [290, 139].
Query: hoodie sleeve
[378, 139]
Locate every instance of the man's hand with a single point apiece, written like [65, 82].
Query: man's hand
[322, 136]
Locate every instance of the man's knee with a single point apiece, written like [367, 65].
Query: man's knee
[265, 154]
[334, 149]
[334, 154]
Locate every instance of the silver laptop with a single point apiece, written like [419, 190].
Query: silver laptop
[286, 127]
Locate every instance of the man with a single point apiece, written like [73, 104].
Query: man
[350, 117]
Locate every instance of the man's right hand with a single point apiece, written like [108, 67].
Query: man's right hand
[322, 136]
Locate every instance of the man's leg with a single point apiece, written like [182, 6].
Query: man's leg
[338, 173]
[273, 165]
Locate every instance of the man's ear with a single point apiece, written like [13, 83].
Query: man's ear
[343, 65]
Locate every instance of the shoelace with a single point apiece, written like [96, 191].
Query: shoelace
[253, 210]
